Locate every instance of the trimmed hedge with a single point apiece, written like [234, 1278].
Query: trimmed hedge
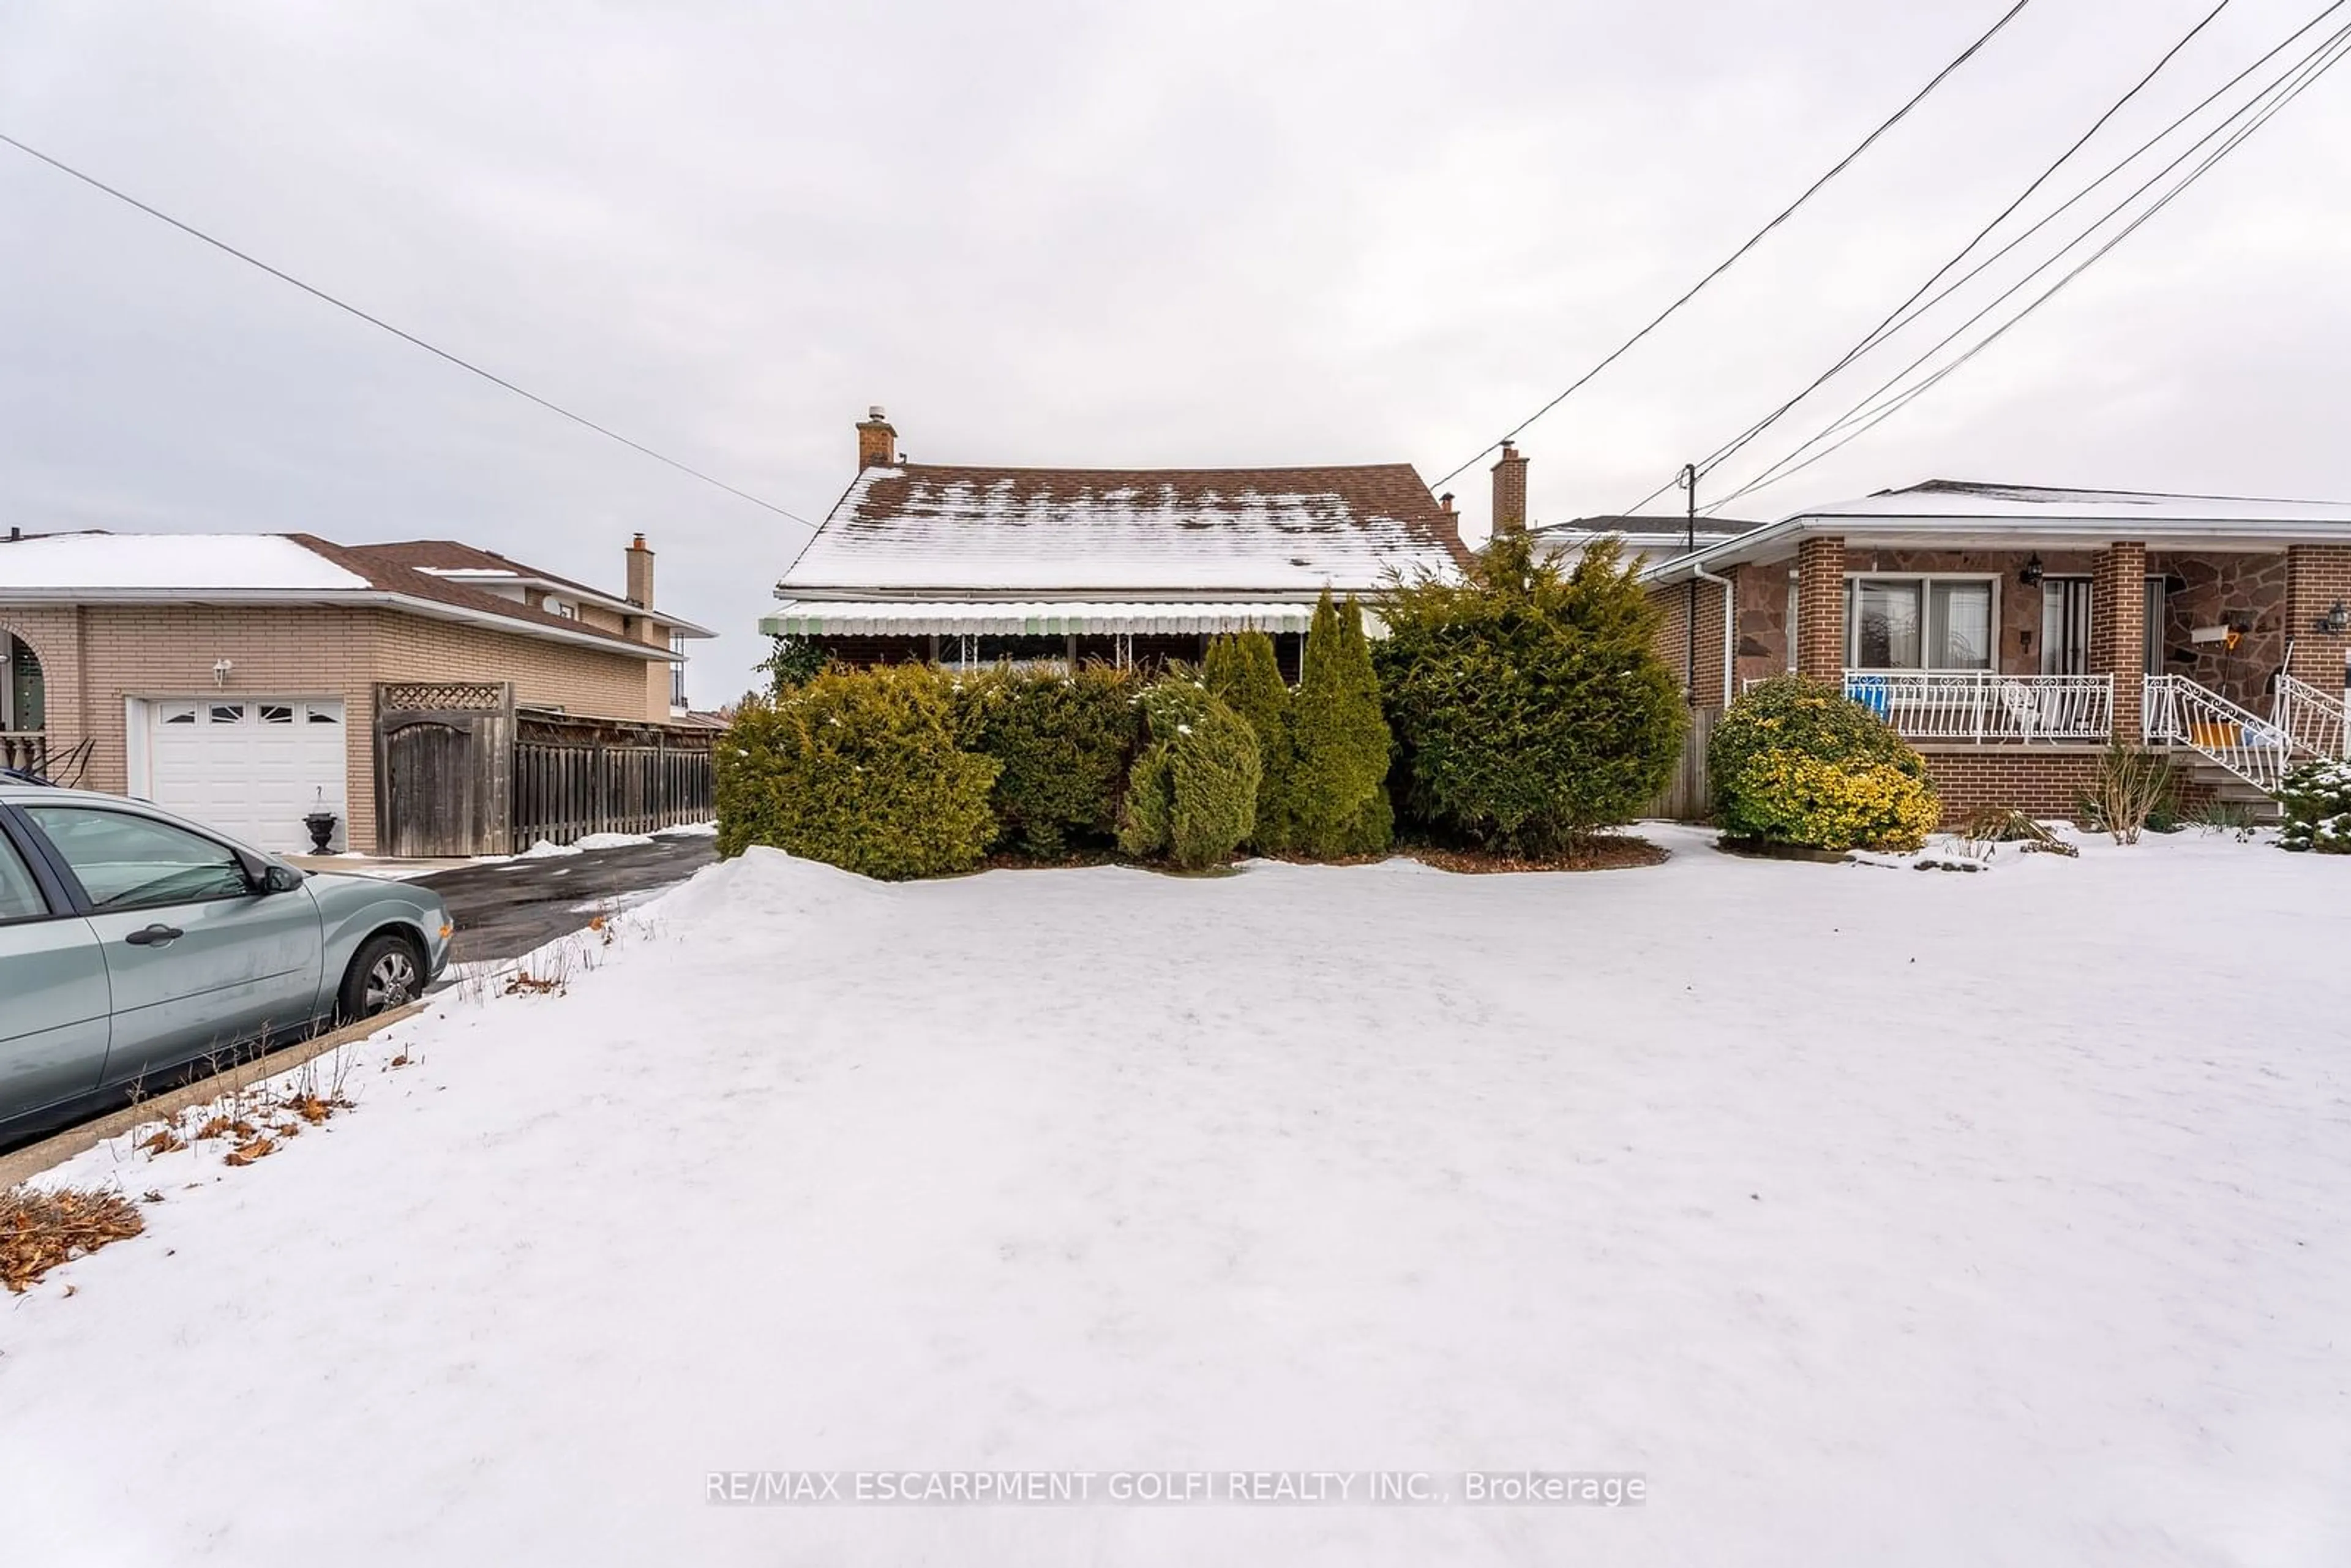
[1795, 761]
[859, 769]
[1192, 797]
[1337, 792]
[1061, 744]
[1528, 707]
[1242, 671]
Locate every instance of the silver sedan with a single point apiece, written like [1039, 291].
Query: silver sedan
[134, 942]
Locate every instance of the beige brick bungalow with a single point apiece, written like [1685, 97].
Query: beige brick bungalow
[234, 676]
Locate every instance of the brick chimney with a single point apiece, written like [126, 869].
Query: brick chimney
[1509, 491]
[877, 442]
[641, 573]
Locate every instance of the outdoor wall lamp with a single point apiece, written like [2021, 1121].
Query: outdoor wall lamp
[2337, 619]
[2029, 572]
[221, 668]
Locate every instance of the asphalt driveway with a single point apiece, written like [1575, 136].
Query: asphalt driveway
[506, 909]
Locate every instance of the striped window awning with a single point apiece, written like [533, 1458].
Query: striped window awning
[999, 618]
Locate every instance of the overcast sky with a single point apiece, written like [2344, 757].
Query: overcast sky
[1210, 234]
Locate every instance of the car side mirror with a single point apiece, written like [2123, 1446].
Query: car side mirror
[265, 877]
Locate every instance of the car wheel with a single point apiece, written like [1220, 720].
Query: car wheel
[384, 975]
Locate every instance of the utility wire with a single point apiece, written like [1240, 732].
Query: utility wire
[1911, 310]
[1878, 333]
[1755, 239]
[462, 364]
[1866, 415]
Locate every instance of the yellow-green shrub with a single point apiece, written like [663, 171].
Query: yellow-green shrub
[1796, 761]
[1789, 798]
[859, 769]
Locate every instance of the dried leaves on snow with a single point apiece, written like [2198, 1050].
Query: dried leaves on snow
[39, 1230]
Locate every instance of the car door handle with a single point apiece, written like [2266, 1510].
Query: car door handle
[154, 936]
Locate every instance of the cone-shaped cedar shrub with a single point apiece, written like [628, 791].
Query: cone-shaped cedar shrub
[1192, 797]
[1337, 792]
[859, 769]
[1529, 705]
[1794, 760]
[1241, 671]
[1062, 743]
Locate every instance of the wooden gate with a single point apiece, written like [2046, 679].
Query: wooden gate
[1688, 798]
[443, 770]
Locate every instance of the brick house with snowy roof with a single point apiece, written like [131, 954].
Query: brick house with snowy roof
[968, 565]
[2010, 633]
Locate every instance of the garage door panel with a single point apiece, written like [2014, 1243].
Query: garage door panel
[252, 767]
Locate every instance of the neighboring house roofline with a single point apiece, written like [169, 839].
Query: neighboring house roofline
[453, 560]
[432, 607]
[1949, 514]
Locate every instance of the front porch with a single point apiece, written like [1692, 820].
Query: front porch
[2012, 634]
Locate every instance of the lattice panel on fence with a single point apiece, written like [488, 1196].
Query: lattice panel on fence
[470, 696]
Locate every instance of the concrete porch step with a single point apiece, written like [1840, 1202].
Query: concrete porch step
[2212, 779]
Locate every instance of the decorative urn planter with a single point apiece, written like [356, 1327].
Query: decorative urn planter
[322, 830]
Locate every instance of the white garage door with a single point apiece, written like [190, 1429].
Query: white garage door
[252, 766]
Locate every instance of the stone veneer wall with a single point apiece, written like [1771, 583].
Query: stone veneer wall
[2244, 591]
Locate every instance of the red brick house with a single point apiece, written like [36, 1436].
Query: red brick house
[967, 564]
[2010, 632]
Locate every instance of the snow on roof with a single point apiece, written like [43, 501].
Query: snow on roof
[101, 562]
[1959, 498]
[1010, 531]
[1031, 617]
[1952, 514]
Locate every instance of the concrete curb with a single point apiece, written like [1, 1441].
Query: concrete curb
[34, 1158]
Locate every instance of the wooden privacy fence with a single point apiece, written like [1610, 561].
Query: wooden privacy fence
[565, 790]
[460, 770]
[1688, 798]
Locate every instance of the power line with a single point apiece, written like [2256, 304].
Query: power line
[1868, 414]
[406, 337]
[1753, 240]
[1912, 310]
[1878, 333]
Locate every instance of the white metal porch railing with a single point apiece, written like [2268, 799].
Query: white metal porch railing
[1984, 706]
[2178, 712]
[2311, 717]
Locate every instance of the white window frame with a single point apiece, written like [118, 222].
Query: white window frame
[1925, 581]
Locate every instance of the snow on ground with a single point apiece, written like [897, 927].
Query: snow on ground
[612, 840]
[1872, 1217]
[547, 849]
[688, 830]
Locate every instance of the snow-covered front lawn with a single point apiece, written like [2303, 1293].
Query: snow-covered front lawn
[1871, 1216]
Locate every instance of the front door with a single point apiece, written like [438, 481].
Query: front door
[2064, 625]
[53, 995]
[198, 962]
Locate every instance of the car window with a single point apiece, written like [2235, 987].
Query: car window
[125, 862]
[20, 895]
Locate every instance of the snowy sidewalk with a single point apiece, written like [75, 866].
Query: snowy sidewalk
[1874, 1215]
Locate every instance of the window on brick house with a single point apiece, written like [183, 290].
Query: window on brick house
[1918, 622]
[677, 671]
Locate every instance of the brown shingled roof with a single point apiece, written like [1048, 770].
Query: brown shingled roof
[942, 527]
[389, 575]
